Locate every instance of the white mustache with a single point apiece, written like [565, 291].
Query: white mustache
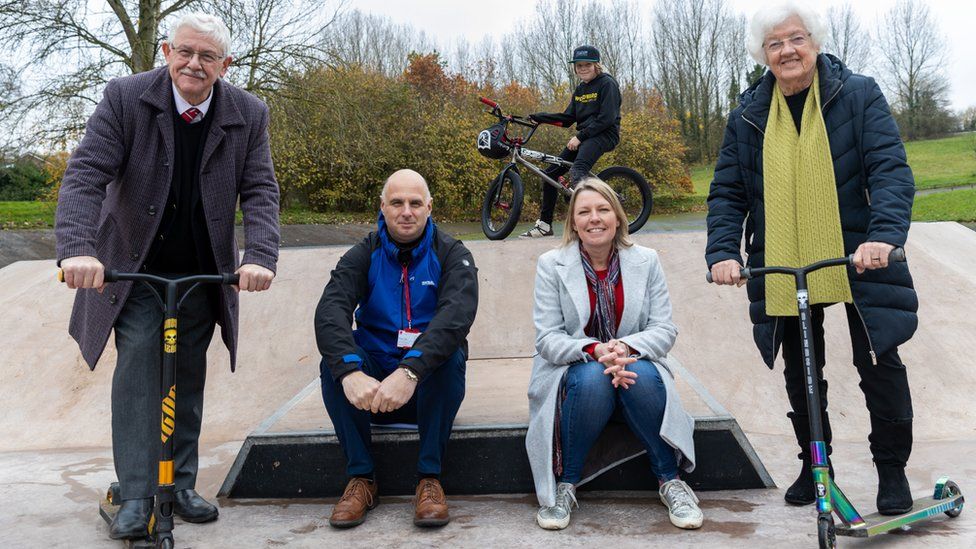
[193, 73]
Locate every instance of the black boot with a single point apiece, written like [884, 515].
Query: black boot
[802, 491]
[891, 445]
[193, 508]
[132, 520]
[894, 493]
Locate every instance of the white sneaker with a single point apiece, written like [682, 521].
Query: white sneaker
[682, 504]
[557, 516]
[540, 229]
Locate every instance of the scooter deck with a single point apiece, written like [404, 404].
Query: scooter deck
[877, 523]
[108, 510]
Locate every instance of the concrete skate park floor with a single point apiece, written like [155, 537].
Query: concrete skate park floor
[56, 459]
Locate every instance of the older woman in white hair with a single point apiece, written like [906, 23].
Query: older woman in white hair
[812, 167]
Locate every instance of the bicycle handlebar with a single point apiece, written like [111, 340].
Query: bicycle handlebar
[116, 276]
[896, 255]
[497, 111]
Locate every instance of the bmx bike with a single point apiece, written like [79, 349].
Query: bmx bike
[502, 205]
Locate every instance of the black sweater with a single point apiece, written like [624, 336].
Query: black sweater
[594, 108]
[182, 244]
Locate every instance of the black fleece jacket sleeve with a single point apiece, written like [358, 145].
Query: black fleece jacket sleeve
[457, 303]
[566, 118]
[333, 316]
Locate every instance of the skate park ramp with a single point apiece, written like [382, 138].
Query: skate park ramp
[55, 404]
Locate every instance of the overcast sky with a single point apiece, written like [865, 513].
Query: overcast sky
[448, 20]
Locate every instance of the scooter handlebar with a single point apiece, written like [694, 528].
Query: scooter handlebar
[488, 102]
[112, 275]
[897, 255]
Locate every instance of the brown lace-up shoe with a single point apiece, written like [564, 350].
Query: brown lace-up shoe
[350, 510]
[431, 504]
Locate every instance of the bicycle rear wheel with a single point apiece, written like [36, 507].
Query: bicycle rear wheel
[634, 193]
[502, 206]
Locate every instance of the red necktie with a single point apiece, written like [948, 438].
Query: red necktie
[190, 114]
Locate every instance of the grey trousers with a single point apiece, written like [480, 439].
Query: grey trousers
[136, 390]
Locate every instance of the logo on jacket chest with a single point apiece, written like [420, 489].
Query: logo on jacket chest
[587, 97]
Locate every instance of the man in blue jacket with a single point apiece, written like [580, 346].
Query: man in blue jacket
[414, 291]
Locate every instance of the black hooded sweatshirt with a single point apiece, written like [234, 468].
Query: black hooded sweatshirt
[594, 108]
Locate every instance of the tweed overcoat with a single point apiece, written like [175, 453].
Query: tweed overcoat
[562, 310]
[117, 182]
[875, 190]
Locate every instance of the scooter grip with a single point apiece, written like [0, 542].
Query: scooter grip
[231, 278]
[898, 254]
[745, 273]
[111, 275]
[488, 102]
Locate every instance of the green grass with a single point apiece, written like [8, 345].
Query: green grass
[936, 163]
[27, 215]
[701, 177]
[957, 205]
[943, 162]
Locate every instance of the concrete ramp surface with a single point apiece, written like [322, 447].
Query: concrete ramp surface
[56, 411]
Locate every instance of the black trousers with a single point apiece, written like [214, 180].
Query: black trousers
[885, 388]
[583, 159]
[136, 444]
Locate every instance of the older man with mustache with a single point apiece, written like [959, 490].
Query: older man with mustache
[153, 186]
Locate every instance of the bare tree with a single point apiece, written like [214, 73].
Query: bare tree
[543, 44]
[374, 42]
[913, 54]
[694, 41]
[273, 37]
[847, 38]
[64, 51]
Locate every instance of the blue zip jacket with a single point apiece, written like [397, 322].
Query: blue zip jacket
[875, 190]
[368, 282]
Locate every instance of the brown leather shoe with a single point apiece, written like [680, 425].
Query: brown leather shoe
[350, 510]
[431, 504]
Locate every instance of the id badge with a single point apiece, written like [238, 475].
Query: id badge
[407, 337]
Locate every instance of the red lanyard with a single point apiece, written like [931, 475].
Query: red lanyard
[406, 297]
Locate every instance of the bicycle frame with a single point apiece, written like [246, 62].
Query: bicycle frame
[520, 153]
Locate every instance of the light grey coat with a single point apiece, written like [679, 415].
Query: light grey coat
[562, 310]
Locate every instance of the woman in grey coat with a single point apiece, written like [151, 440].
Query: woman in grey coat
[603, 331]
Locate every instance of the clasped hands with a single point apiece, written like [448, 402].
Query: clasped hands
[370, 395]
[615, 356]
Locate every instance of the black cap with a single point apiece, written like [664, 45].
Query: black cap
[585, 53]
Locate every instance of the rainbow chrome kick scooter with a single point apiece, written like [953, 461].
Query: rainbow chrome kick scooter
[946, 498]
[159, 535]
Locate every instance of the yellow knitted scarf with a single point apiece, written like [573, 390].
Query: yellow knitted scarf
[802, 216]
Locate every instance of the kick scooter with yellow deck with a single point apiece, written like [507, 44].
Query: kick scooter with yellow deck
[947, 498]
[160, 532]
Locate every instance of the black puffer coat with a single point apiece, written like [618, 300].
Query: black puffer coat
[875, 189]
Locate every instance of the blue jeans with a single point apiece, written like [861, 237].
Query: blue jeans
[432, 408]
[591, 402]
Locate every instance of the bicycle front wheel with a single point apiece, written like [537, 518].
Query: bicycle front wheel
[634, 193]
[502, 206]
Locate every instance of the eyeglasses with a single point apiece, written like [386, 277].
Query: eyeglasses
[797, 41]
[206, 57]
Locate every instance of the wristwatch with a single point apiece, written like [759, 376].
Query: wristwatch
[410, 374]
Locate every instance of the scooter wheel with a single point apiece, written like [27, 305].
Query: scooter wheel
[165, 543]
[950, 490]
[825, 532]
